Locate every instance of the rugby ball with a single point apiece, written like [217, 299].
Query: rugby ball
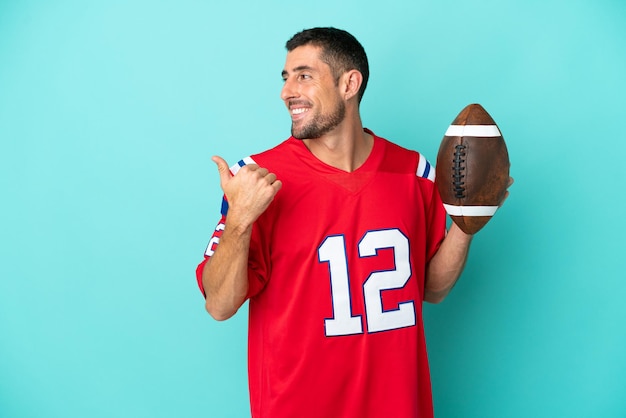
[472, 171]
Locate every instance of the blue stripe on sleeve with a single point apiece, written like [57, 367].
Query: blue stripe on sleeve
[224, 207]
[426, 170]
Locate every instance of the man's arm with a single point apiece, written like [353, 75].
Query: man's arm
[447, 264]
[225, 275]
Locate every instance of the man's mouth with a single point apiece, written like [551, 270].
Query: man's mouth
[298, 108]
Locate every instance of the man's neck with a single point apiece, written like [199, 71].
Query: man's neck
[346, 148]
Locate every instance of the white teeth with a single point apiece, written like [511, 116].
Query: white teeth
[298, 111]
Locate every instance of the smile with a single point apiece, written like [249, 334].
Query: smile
[299, 111]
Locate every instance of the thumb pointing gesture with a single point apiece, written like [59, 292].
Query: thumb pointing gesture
[223, 169]
[248, 193]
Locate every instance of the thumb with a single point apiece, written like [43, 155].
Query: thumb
[222, 167]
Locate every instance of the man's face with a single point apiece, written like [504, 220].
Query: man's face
[311, 94]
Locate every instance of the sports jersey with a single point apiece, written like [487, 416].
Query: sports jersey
[336, 271]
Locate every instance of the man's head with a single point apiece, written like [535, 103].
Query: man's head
[339, 49]
[324, 79]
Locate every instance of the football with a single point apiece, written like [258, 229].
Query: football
[472, 170]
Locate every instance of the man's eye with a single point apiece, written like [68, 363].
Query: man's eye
[305, 76]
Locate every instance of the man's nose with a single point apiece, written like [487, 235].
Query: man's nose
[289, 90]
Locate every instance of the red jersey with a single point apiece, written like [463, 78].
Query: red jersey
[336, 270]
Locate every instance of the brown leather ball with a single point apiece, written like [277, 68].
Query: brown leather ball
[472, 171]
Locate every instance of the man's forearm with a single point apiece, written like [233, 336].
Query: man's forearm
[446, 265]
[225, 275]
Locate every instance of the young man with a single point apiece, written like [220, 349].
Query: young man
[335, 237]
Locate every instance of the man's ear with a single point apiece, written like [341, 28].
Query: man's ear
[351, 83]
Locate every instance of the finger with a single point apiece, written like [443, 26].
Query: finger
[222, 168]
[250, 167]
[270, 178]
[262, 172]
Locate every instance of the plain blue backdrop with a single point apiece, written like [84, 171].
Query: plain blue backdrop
[111, 110]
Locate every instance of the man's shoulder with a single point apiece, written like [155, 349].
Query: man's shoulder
[392, 147]
[278, 149]
[399, 157]
[268, 157]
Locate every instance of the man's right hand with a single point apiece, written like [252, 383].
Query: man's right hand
[249, 192]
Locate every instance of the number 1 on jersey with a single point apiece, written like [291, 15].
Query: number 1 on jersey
[333, 251]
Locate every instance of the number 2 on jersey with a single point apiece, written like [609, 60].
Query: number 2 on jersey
[333, 251]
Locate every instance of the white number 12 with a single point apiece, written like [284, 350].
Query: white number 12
[333, 251]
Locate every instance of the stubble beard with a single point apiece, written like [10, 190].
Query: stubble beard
[321, 125]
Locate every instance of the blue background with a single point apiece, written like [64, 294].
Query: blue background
[110, 112]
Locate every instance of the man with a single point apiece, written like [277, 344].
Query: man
[335, 237]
